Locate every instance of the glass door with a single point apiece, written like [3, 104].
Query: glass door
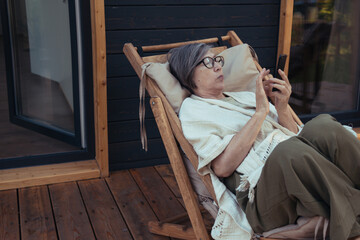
[42, 67]
[324, 59]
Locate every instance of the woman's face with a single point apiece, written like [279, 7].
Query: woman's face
[209, 82]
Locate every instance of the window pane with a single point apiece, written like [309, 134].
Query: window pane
[324, 56]
[43, 70]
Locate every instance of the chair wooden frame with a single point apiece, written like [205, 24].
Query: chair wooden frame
[172, 135]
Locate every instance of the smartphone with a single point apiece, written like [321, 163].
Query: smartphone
[280, 65]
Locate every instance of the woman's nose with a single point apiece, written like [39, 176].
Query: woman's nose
[217, 66]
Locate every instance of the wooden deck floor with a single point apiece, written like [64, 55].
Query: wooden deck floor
[117, 207]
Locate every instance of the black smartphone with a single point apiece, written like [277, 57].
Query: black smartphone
[280, 65]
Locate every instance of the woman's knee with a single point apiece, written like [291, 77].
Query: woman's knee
[322, 123]
[321, 127]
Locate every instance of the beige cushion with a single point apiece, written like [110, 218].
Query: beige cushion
[168, 84]
[239, 71]
[239, 74]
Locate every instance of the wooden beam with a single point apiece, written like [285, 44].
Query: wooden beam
[234, 39]
[100, 83]
[285, 28]
[172, 230]
[48, 174]
[174, 45]
[179, 169]
[133, 57]
[284, 40]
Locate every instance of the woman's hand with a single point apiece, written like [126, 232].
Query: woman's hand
[281, 97]
[281, 100]
[262, 103]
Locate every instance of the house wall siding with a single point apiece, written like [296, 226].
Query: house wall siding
[147, 22]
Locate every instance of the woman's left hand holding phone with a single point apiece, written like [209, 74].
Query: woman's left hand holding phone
[280, 98]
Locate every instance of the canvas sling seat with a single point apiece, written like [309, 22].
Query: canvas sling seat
[166, 98]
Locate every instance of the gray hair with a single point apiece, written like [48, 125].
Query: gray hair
[184, 59]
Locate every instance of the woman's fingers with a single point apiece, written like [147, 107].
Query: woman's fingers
[283, 85]
[284, 90]
[283, 76]
[281, 97]
[259, 80]
[262, 104]
[263, 73]
[279, 87]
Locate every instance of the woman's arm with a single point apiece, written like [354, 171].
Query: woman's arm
[239, 146]
[281, 101]
[233, 155]
[286, 120]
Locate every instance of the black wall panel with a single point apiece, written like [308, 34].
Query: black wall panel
[147, 22]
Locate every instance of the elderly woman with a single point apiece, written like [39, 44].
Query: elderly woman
[278, 170]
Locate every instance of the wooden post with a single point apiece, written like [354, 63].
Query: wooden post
[285, 28]
[99, 76]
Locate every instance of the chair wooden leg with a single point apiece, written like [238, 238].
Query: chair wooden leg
[171, 230]
[169, 227]
[181, 175]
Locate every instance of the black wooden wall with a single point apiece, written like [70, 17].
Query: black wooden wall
[147, 22]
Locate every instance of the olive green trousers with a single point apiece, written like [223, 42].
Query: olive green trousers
[316, 173]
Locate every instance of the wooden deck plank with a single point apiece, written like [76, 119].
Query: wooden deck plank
[133, 205]
[36, 218]
[70, 214]
[167, 174]
[158, 194]
[104, 215]
[9, 218]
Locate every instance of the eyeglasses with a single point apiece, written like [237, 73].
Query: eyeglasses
[209, 62]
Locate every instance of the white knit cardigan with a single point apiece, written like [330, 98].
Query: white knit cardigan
[209, 125]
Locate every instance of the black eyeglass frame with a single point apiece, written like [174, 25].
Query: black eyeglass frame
[218, 59]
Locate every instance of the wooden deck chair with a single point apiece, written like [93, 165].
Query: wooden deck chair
[172, 135]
